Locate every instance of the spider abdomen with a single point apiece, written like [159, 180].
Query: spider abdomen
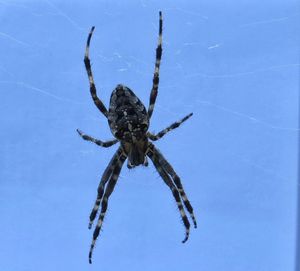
[127, 117]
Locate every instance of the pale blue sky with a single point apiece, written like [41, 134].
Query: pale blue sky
[234, 65]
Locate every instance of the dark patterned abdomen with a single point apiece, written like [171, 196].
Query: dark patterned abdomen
[127, 116]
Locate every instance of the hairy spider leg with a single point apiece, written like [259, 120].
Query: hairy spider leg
[112, 171]
[152, 153]
[168, 129]
[156, 70]
[105, 177]
[88, 67]
[108, 190]
[100, 143]
[169, 169]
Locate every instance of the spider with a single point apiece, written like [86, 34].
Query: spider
[129, 120]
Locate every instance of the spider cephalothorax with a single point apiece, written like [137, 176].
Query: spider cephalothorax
[128, 120]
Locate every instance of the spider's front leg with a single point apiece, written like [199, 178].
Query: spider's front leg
[154, 90]
[88, 67]
[100, 143]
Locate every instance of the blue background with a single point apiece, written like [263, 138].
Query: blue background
[234, 64]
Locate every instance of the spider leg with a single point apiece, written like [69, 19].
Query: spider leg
[152, 153]
[88, 67]
[108, 190]
[168, 129]
[100, 143]
[156, 70]
[107, 173]
[169, 169]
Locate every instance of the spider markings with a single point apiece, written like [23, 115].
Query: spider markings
[127, 116]
[129, 120]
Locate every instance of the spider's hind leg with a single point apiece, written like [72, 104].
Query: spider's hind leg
[169, 169]
[108, 191]
[105, 177]
[152, 153]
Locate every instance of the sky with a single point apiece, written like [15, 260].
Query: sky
[235, 65]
